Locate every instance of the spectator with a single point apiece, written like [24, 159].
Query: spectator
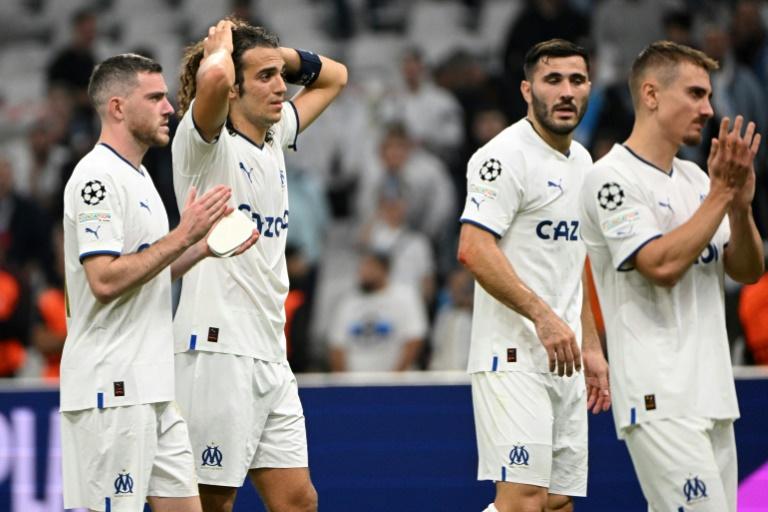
[49, 327]
[424, 180]
[379, 328]
[411, 258]
[453, 325]
[431, 115]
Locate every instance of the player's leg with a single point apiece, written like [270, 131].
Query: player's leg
[107, 457]
[675, 463]
[559, 503]
[216, 397]
[280, 467]
[513, 422]
[285, 489]
[172, 483]
[569, 441]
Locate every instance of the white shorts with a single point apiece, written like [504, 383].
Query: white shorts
[532, 429]
[114, 458]
[243, 413]
[685, 464]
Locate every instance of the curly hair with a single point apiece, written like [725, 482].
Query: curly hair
[244, 37]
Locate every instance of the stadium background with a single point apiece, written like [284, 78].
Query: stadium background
[430, 81]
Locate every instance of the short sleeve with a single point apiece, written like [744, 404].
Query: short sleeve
[98, 215]
[620, 214]
[287, 129]
[494, 192]
[191, 153]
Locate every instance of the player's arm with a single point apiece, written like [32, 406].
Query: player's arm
[409, 354]
[481, 255]
[215, 77]
[200, 251]
[321, 89]
[338, 359]
[595, 365]
[109, 277]
[665, 260]
[743, 256]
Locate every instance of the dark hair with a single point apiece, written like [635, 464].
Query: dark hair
[666, 56]
[551, 48]
[244, 37]
[81, 15]
[121, 72]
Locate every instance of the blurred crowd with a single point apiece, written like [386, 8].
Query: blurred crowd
[378, 182]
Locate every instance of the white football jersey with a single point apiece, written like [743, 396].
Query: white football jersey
[236, 305]
[373, 328]
[526, 193]
[119, 353]
[668, 347]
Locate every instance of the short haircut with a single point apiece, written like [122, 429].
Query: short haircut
[118, 74]
[665, 56]
[552, 48]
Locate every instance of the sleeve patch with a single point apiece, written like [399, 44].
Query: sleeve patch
[621, 225]
[93, 192]
[485, 191]
[610, 196]
[94, 217]
[490, 170]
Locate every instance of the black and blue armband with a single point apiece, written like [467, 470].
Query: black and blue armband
[308, 71]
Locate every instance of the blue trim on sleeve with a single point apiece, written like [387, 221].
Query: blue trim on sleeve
[633, 253]
[632, 416]
[479, 225]
[100, 400]
[97, 253]
[200, 133]
[121, 157]
[192, 342]
[298, 127]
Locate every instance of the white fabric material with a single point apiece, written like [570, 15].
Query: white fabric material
[686, 463]
[373, 328]
[124, 454]
[236, 305]
[532, 429]
[243, 413]
[526, 193]
[119, 351]
[668, 347]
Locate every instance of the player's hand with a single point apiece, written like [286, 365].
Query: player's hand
[201, 213]
[560, 343]
[731, 161]
[219, 38]
[596, 377]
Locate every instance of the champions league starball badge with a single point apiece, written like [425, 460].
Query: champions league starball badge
[93, 193]
[610, 196]
[490, 170]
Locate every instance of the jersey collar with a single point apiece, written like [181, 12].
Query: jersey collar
[232, 129]
[121, 157]
[646, 162]
[543, 143]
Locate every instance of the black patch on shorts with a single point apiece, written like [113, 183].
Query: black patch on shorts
[511, 355]
[213, 334]
[650, 402]
[119, 388]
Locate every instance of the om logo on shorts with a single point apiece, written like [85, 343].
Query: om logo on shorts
[124, 483]
[212, 456]
[694, 489]
[518, 456]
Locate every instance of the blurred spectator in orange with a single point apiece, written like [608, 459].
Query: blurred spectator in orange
[49, 328]
[753, 313]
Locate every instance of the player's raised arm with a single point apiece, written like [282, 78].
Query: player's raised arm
[323, 79]
[214, 80]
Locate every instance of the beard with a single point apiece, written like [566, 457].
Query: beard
[149, 135]
[545, 117]
[692, 140]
